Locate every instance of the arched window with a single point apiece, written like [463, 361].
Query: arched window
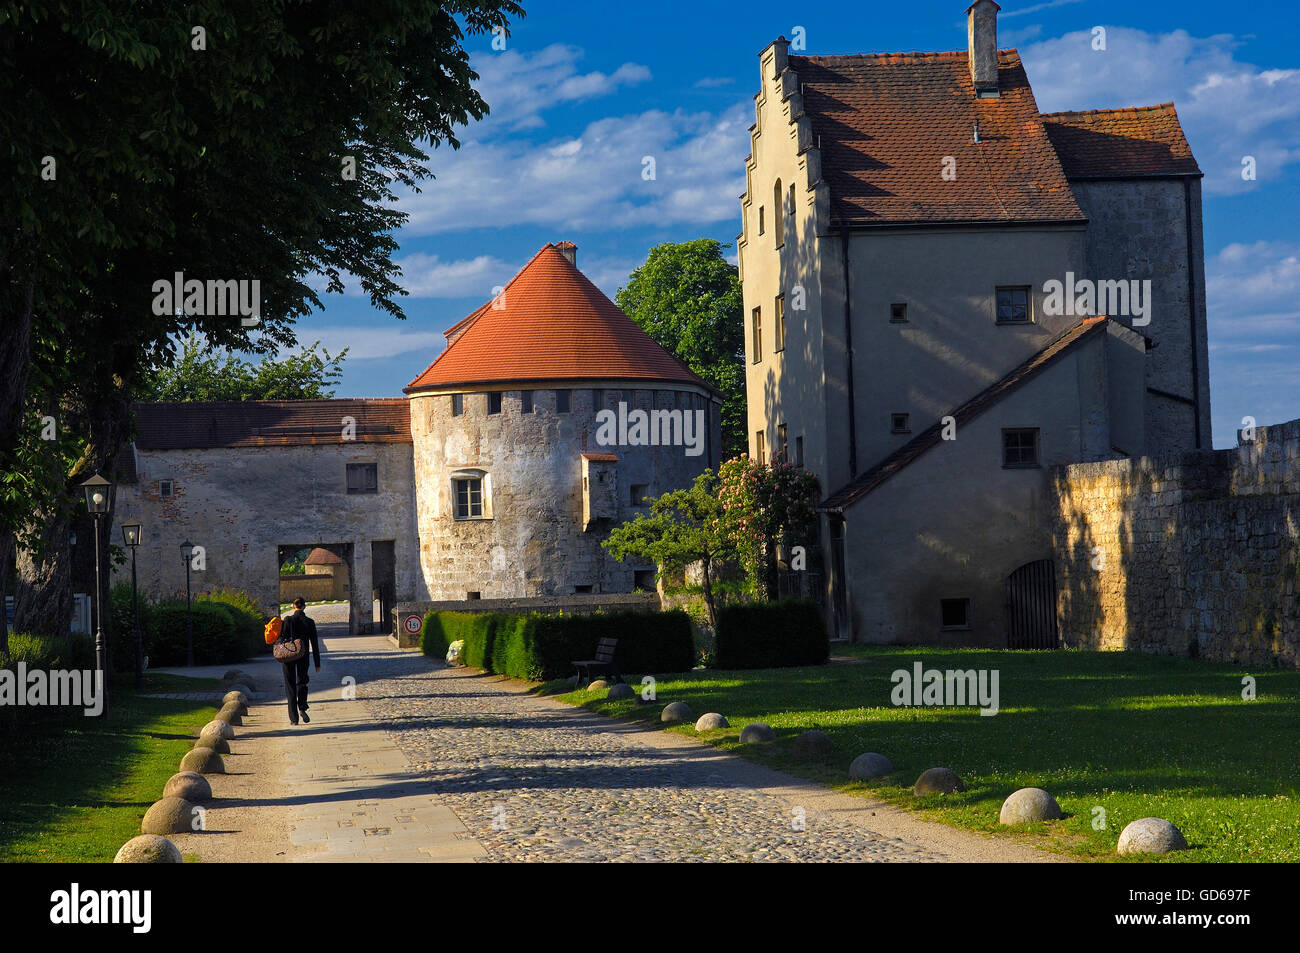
[778, 214]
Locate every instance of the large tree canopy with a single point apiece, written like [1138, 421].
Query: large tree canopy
[687, 297]
[201, 373]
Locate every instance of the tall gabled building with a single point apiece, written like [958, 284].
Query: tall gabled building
[906, 221]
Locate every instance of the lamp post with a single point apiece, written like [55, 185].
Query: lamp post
[99, 503]
[131, 536]
[187, 551]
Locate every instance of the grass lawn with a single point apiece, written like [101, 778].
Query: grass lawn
[1136, 735]
[77, 790]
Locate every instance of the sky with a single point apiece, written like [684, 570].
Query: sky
[584, 91]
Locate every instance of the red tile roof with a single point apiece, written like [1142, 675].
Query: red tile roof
[1145, 140]
[932, 436]
[553, 324]
[322, 557]
[885, 123]
[270, 423]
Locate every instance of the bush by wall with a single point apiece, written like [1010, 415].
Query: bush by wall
[771, 635]
[540, 647]
[246, 616]
[216, 638]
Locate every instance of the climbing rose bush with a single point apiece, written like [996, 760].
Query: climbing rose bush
[765, 507]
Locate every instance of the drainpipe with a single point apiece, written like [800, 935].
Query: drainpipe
[1191, 315]
[848, 354]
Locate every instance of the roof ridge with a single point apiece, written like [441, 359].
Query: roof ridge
[1154, 107]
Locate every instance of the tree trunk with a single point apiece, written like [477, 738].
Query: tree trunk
[43, 596]
[6, 560]
[707, 585]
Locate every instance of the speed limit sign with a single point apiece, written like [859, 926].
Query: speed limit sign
[413, 624]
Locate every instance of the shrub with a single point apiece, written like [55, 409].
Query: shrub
[247, 616]
[432, 641]
[216, 637]
[771, 635]
[444, 628]
[121, 627]
[74, 652]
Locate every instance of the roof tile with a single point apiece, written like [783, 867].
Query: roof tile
[1109, 143]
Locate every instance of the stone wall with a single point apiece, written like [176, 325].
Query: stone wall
[553, 605]
[1193, 554]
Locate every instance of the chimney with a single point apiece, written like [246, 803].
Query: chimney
[569, 251]
[982, 38]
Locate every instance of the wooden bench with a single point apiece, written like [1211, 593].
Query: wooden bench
[603, 663]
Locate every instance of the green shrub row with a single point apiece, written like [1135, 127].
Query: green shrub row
[541, 647]
[227, 629]
[771, 635]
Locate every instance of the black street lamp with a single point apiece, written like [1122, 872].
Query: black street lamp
[99, 503]
[131, 536]
[187, 550]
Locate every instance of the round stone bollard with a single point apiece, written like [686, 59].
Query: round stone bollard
[217, 726]
[214, 741]
[756, 733]
[237, 680]
[189, 785]
[230, 715]
[203, 761]
[621, 690]
[813, 744]
[598, 685]
[171, 815]
[937, 781]
[1028, 805]
[148, 849]
[711, 721]
[869, 766]
[1150, 835]
[238, 699]
[676, 711]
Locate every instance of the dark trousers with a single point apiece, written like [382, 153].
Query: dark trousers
[295, 686]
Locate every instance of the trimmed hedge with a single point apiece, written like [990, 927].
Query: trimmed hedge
[771, 635]
[216, 639]
[541, 647]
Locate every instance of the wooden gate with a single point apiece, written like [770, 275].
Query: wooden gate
[1031, 607]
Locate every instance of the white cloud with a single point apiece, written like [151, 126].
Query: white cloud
[367, 341]
[1228, 109]
[712, 82]
[428, 276]
[1036, 8]
[1253, 295]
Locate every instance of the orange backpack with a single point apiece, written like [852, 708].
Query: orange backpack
[272, 630]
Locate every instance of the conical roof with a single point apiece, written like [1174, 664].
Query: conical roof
[552, 323]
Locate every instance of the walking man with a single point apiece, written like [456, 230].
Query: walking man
[299, 625]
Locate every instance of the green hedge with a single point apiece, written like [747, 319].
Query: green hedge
[216, 639]
[48, 653]
[540, 647]
[772, 635]
[245, 614]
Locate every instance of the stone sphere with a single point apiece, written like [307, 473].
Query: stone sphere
[1151, 835]
[813, 744]
[677, 711]
[238, 680]
[214, 741]
[190, 785]
[711, 721]
[236, 698]
[171, 815]
[230, 715]
[937, 781]
[597, 685]
[148, 849]
[1029, 804]
[866, 767]
[621, 690]
[572, 680]
[756, 732]
[216, 725]
[203, 761]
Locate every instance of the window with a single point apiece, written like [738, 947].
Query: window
[363, 478]
[898, 423]
[494, 402]
[457, 404]
[639, 493]
[473, 595]
[1013, 306]
[760, 447]
[525, 402]
[760, 220]
[798, 452]
[1020, 447]
[582, 590]
[166, 489]
[782, 448]
[561, 401]
[955, 613]
[778, 218]
[643, 579]
[468, 497]
[757, 356]
[790, 208]
[898, 312]
[779, 344]
[597, 399]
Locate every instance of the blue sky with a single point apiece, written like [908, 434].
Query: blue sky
[584, 90]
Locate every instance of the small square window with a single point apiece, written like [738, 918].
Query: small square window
[469, 498]
[457, 404]
[643, 579]
[898, 312]
[955, 613]
[526, 402]
[166, 489]
[473, 595]
[494, 402]
[639, 493]
[363, 478]
[561, 401]
[898, 423]
[1013, 306]
[580, 590]
[1020, 447]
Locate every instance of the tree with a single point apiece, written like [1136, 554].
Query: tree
[200, 373]
[687, 297]
[766, 508]
[683, 527]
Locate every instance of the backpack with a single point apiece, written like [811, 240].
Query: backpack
[290, 646]
[272, 630]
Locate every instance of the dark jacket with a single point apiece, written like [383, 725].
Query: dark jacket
[299, 625]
